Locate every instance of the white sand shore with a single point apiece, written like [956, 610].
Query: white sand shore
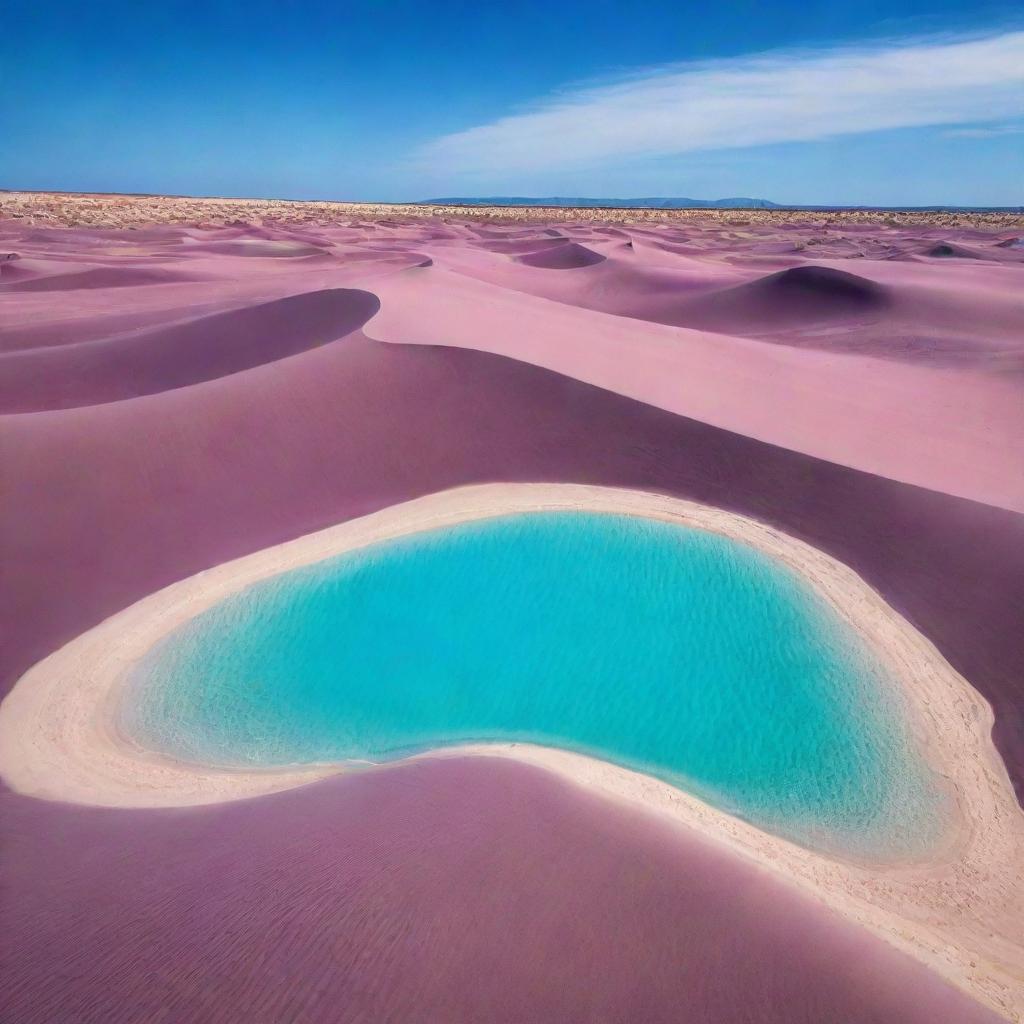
[961, 912]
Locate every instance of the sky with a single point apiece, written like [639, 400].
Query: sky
[866, 102]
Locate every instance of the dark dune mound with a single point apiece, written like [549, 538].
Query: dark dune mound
[950, 250]
[168, 357]
[1000, 252]
[941, 249]
[568, 256]
[99, 277]
[806, 294]
[825, 283]
[7, 256]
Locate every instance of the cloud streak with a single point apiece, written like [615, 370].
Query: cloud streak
[749, 101]
[985, 132]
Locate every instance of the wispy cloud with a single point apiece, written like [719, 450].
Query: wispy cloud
[749, 101]
[985, 131]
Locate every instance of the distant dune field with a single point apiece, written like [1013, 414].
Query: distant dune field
[110, 210]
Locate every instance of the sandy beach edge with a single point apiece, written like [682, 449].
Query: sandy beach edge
[961, 912]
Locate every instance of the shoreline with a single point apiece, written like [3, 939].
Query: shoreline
[958, 912]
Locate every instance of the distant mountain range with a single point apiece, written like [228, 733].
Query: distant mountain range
[735, 203]
[619, 204]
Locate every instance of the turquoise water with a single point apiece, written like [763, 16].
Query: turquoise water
[672, 651]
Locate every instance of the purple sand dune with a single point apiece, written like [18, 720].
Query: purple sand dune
[516, 244]
[807, 306]
[972, 249]
[679, 248]
[97, 327]
[175, 484]
[453, 891]
[946, 250]
[15, 270]
[161, 358]
[567, 256]
[450, 891]
[80, 237]
[101, 277]
[258, 247]
[806, 294]
[32, 267]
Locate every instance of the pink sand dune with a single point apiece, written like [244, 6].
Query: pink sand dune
[972, 321]
[469, 889]
[568, 256]
[959, 251]
[459, 891]
[888, 418]
[519, 244]
[258, 247]
[799, 295]
[99, 277]
[161, 358]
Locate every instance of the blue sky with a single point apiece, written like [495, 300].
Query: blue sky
[853, 101]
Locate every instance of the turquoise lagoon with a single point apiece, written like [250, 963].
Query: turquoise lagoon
[668, 650]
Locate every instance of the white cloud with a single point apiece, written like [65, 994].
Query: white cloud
[985, 131]
[749, 101]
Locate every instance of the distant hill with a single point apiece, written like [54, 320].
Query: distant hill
[736, 203]
[617, 204]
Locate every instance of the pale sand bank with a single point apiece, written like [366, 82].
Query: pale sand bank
[962, 912]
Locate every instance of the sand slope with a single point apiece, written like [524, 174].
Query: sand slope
[446, 891]
[105, 503]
